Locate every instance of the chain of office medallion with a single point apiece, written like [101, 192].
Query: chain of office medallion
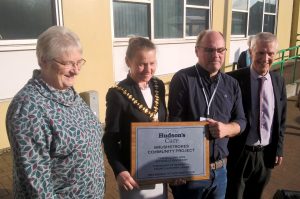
[138, 104]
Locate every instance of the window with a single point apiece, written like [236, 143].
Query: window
[168, 19]
[197, 16]
[131, 19]
[22, 21]
[160, 19]
[239, 23]
[250, 17]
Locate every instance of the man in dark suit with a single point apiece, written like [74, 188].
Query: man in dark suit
[259, 148]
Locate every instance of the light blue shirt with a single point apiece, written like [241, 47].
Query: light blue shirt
[267, 111]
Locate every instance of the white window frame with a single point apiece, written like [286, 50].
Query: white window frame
[247, 27]
[196, 7]
[30, 44]
[264, 13]
[184, 39]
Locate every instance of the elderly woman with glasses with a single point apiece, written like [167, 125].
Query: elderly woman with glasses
[55, 137]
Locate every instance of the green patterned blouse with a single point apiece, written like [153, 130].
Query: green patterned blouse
[56, 144]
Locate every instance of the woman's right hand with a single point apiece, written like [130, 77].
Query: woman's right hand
[126, 182]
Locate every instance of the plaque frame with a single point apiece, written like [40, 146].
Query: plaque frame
[138, 128]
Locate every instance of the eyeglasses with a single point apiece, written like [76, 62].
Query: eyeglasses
[212, 50]
[69, 64]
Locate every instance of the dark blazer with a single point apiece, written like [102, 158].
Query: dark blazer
[237, 143]
[120, 112]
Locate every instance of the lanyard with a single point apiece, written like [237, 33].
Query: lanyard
[208, 103]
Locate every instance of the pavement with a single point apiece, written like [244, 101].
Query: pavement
[285, 176]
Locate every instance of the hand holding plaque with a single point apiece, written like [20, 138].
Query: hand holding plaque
[165, 151]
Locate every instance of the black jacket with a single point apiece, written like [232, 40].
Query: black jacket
[120, 112]
[236, 144]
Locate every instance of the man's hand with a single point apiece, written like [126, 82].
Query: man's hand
[221, 130]
[125, 181]
[178, 182]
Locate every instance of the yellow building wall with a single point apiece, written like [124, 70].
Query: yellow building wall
[91, 20]
[284, 23]
[295, 24]
[218, 13]
[221, 21]
[3, 136]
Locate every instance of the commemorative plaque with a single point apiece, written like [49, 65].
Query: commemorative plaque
[165, 151]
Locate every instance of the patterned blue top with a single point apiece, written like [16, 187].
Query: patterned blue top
[56, 143]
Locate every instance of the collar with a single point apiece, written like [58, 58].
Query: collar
[135, 101]
[205, 74]
[130, 80]
[133, 83]
[67, 97]
[255, 76]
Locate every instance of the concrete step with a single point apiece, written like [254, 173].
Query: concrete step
[293, 88]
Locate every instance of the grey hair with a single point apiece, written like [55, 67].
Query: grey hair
[250, 38]
[55, 41]
[266, 37]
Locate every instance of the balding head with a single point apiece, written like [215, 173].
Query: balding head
[207, 32]
[210, 50]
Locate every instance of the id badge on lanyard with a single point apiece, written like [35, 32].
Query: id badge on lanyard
[208, 103]
[203, 119]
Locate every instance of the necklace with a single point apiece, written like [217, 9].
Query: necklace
[150, 112]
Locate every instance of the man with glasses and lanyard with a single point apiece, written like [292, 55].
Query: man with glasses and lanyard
[203, 93]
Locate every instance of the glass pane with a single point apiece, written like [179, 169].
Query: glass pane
[269, 23]
[239, 23]
[255, 17]
[131, 19]
[270, 6]
[196, 21]
[240, 4]
[21, 19]
[198, 2]
[168, 19]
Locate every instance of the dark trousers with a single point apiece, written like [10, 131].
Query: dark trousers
[214, 188]
[248, 178]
